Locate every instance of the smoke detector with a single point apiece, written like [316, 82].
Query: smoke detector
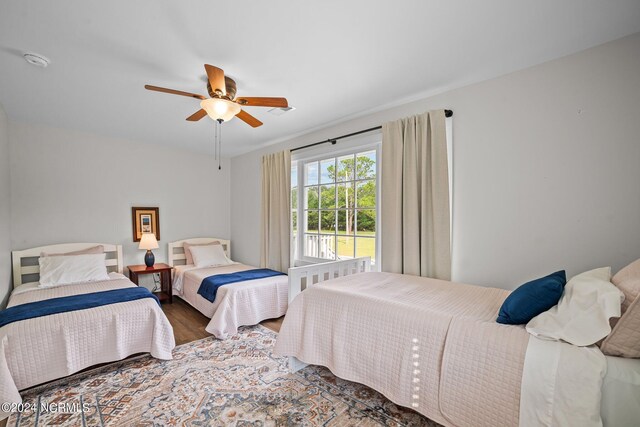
[36, 59]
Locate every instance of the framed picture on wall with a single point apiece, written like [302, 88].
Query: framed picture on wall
[145, 220]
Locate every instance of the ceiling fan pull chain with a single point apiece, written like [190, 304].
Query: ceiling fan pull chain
[215, 141]
[219, 143]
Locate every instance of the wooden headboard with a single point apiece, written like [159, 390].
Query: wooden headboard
[176, 249]
[26, 268]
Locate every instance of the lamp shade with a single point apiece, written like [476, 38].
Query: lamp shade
[220, 109]
[148, 241]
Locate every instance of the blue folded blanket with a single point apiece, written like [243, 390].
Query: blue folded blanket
[72, 303]
[209, 286]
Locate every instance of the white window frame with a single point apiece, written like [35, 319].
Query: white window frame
[360, 143]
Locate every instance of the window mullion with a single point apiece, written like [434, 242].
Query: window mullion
[335, 206]
[301, 197]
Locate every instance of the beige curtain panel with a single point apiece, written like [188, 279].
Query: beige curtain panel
[415, 197]
[276, 211]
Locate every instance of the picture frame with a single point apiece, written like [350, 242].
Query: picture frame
[145, 220]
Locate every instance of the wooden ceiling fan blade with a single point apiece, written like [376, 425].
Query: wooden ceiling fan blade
[252, 101]
[197, 115]
[248, 119]
[173, 91]
[216, 79]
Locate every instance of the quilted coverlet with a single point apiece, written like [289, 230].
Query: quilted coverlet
[427, 344]
[41, 349]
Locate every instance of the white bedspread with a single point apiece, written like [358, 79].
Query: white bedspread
[42, 349]
[392, 332]
[237, 304]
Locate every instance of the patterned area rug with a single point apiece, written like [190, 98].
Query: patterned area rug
[236, 382]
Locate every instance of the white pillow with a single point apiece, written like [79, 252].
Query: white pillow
[66, 270]
[582, 314]
[209, 256]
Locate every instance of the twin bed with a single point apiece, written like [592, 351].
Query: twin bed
[39, 349]
[435, 346]
[243, 303]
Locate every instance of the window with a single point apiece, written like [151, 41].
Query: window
[334, 206]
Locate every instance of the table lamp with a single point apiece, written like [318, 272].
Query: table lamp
[148, 241]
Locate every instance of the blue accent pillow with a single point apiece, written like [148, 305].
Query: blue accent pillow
[532, 298]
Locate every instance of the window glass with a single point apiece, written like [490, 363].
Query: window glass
[328, 196]
[311, 197]
[366, 194]
[339, 201]
[327, 171]
[366, 222]
[311, 221]
[311, 173]
[346, 166]
[366, 165]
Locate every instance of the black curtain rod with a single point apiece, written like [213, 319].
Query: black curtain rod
[447, 113]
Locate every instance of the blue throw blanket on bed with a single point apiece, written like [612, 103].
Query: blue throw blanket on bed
[72, 303]
[209, 286]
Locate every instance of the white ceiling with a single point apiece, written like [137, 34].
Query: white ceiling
[332, 59]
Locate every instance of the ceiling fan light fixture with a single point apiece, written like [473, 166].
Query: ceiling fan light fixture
[220, 109]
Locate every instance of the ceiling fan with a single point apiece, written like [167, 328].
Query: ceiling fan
[223, 104]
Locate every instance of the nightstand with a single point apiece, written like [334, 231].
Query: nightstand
[166, 287]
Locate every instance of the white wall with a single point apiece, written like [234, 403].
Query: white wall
[546, 168]
[71, 186]
[5, 210]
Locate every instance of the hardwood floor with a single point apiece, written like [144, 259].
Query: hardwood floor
[189, 324]
[273, 324]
